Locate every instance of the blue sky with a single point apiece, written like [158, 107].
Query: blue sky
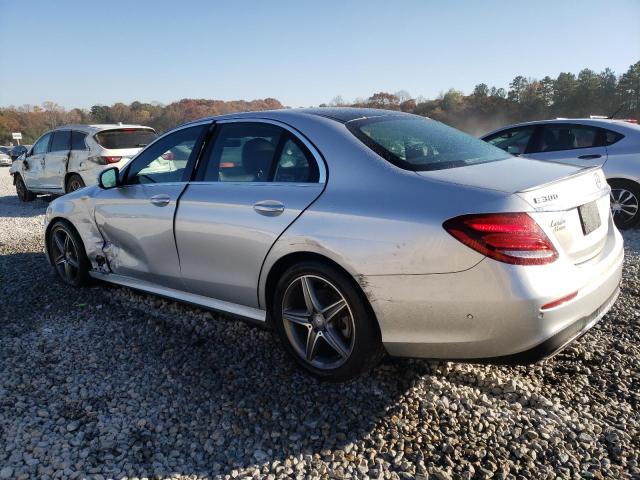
[80, 53]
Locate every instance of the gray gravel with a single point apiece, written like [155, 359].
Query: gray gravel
[109, 383]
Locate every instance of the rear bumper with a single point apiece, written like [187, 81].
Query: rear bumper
[557, 342]
[492, 312]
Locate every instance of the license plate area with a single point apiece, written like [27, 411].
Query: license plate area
[589, 217]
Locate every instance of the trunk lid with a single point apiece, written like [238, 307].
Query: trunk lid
[570, 203]
[574, 212]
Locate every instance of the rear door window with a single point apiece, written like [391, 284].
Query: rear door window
[61, 141]
[514, 140]
[243, 152]
[125, 138]
[77, 141]
[258, 152]
[557, 137]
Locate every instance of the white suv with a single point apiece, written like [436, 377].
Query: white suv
[70, 157]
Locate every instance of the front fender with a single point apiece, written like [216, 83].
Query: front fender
[77, 208]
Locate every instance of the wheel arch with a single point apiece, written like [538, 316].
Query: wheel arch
[619, 178]
[47, 233]
[283, 263]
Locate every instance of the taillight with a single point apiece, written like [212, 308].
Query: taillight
[112, 159]
[513, 238]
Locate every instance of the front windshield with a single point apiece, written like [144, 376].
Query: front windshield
[419, 144]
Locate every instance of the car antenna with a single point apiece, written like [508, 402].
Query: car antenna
[616, 112]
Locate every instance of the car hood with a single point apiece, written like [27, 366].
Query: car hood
[510, 175]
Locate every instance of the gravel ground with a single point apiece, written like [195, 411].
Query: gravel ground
[109, 383]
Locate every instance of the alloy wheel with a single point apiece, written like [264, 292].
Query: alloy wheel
[318, 322]
[65, 255]
[624, 205]
[74, 185]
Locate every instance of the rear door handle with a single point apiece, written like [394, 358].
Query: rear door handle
[160, 200]
[589, 157]
[269, 208]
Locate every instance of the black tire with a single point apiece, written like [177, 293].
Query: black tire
[74, 182]
[625, 199]
[23, 193]
[354, 324]
[69, 260]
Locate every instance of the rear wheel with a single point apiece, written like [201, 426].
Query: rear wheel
[625, 200]
[23, 193]
[74, 182]
[325, 323]
[67, 255]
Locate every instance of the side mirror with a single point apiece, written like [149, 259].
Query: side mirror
[108, 178]
[513, 150]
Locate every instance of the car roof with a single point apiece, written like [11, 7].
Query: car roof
[611, 124]
[99, 127]
[339, 114]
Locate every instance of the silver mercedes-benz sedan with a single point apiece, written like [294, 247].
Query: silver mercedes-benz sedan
[353, 233]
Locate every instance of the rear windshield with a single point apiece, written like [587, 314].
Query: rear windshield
[125, 138]
[420, 144]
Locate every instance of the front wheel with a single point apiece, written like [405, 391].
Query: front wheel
[325, 323]
[68, 255]
[625, 200]
[23, 193]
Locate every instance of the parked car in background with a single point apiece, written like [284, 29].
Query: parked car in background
[18, 150]
[353, 232]
[5, 158]
[613, 145]
[70, 157]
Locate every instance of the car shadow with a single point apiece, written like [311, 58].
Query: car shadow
[11, 206]
[212, 394]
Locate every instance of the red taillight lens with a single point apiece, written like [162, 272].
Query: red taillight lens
[513, 238]
[112, 159]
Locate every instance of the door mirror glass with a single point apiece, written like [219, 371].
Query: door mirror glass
[108, 178]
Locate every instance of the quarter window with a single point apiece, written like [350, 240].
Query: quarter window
[568, 137]
[77, 141]
[166, 160]
[258, 152]
[41, 145]
[61, 141]
[612, 137]
[514, 141]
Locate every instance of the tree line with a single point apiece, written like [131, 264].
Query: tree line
[567, 95]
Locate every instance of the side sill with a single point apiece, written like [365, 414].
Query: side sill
[234, 309]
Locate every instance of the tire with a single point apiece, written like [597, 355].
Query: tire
[23, 193]
[74, 182]
[338, 344]
[67, 255]
[625, 203]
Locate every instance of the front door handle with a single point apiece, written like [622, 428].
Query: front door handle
[160, 200]
[589, 157]
[269, 208]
